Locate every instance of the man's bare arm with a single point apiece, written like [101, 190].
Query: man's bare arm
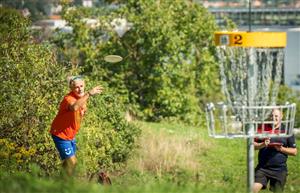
[287, 150]
[82, 101]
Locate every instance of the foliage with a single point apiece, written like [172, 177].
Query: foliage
[221, 164]
[287, 95]
[168, 71]
[31, 182]
[32, 87]
[109, 140]
[221, 167]
[29, 75]
[38, 9]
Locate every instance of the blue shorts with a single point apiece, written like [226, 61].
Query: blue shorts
[66, 148]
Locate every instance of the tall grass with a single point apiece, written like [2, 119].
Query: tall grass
[186, 155]
[165, 151]
[170, 158]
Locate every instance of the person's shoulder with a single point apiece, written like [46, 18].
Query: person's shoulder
[69, 97]
[291, 140]
[292, 137]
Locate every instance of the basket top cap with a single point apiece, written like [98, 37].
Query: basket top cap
[251, 39]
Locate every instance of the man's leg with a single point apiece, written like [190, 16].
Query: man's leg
[66, 149]
[69, 165]
[278, 182]
[276, 187]
[261, 180]
[257, 187]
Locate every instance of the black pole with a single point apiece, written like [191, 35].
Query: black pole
[249, 16]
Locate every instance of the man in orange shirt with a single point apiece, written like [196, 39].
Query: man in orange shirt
[67, 121]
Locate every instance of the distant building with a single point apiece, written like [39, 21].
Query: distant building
[55, 9]
[254, 3]
[87, 3]
[257, 3]
[25, 12]
[51, 23]
[292, 59]
[217, 4]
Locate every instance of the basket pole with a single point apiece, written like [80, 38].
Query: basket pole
[250, 158]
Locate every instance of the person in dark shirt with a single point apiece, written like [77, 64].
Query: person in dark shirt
[272, 157]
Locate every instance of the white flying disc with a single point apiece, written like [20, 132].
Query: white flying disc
[113, 58]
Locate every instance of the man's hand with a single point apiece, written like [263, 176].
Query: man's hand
[279, 148]
[259, 145]
[96, 90]
[267, 142]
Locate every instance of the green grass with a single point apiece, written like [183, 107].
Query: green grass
[170, 158]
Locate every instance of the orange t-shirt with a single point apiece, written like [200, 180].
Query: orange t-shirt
[67, 123]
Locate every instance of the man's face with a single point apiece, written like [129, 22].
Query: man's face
[277, 116]
[77, 88]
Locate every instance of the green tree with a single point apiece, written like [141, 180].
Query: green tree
[168, 71]
[288, 95]
[38, 9]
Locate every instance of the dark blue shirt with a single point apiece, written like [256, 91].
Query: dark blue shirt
[270, 158]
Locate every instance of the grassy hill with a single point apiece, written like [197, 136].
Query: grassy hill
[169, 158]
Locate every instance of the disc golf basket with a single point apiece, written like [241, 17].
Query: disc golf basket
[236, 121]
[251, 66]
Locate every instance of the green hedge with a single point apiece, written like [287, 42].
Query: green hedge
[33, 84]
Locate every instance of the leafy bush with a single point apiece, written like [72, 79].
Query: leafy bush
[33, 83]
[30, 89]
[285, 95]
[107, 139]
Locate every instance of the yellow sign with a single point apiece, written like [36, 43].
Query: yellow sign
[251, 39]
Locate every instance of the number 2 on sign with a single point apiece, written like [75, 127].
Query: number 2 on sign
[238, 39]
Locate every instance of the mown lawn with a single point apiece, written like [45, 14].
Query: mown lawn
[170, 158]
